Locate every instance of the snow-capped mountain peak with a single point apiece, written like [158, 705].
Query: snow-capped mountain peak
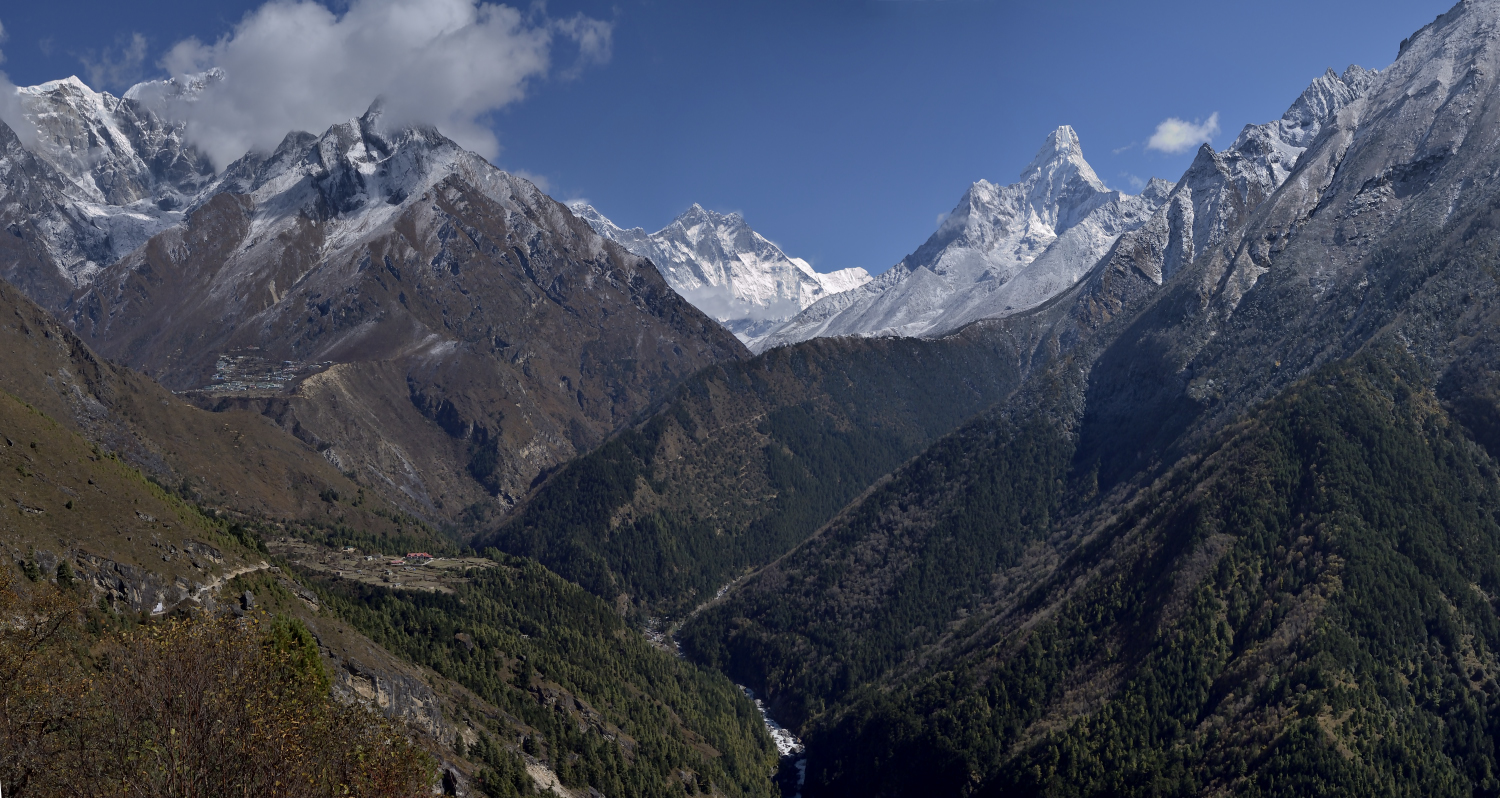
[352, 179]
[1061, 186]
[697, 222]
[1005, 249]
[114, 149]
[728, 270]
[105, 174]
[1002, 250]
[184, 89]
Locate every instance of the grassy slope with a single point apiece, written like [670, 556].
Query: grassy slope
[579, 665]
[237, 461]
[60, 496]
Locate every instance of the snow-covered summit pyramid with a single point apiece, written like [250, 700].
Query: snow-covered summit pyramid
[106, 172]
[1002, 250]
[116, 150]
[727, 270]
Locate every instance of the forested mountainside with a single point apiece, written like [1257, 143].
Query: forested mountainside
[888, 576]
[1231, 529]
[1304, 605]
[747, 460]
[555, 674]
[1229, 539]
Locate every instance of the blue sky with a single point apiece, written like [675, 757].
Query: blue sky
[841, 129]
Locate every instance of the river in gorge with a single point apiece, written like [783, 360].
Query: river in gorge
[791, 748]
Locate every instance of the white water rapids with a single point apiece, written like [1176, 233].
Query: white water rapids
[786, 742]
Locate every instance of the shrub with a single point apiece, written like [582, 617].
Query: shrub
[200, 706]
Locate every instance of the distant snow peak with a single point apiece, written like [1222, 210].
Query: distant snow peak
[1059, 165]
[353, 178]
[114, 172]
[116, 150]
[1006, 249]
[1002, 250]
[726, 269]
[187, 88]
[120, 173]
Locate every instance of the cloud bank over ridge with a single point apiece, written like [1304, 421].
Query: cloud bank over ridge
[1176, 135]
[10, 103]
[106, 71]
[296, 65]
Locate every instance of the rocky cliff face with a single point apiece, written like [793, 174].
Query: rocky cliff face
[1371, 234]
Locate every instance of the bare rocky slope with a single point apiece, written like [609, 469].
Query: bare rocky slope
[239, 461]
[438, 329]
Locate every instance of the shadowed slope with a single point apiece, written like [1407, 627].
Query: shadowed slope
[748, 459]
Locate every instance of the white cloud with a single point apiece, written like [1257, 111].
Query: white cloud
[594, 38]
[1133, 181]
[10, 104]
[1176, 135]
[296, 65]
[106, 71]
[540, 181]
